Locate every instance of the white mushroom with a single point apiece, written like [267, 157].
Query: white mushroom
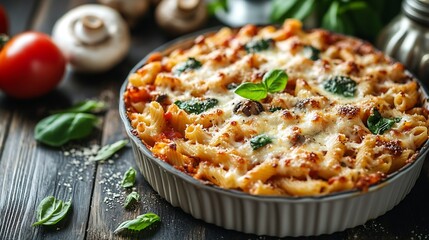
[181, 16]
[132, 10]
[93, 37]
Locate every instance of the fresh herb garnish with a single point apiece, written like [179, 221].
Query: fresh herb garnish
[259, 141]
[51, 210]
[378, 124]
[341, 85]
[131, 198]
[197, 106]
[273, 81]
[129, 178]
[275, 109]
[311, 52]
[258, 45]
[88, 106]
[139, 223]
[191, 63]
[108, 150]
[58, 129]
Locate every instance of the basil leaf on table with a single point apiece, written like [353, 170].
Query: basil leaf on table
[129, 178]
[272, 82]
[131, 198]
[378, 124]
[108, 150]
[58, 129]
[87, 106]
[139, 223]
[51, 210]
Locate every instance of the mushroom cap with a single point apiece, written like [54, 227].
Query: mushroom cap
[86, 56]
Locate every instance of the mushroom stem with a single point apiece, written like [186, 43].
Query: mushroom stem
[187, 5]
[91, 30]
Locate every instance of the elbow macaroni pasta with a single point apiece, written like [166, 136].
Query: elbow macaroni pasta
[320, 142]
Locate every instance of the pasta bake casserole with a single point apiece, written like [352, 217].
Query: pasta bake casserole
[278, 111]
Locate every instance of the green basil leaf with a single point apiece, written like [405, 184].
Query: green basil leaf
[258, 45]
[378, 124]
[58, 129]
[253, 91]
[275, 80]
[330, 19]
[304, 9]
[190, 64]
[341, 85]
[131, 198]
[311, 53]
[197, 106]
[51, 210]
[84, 107]
[129, 178]
[107, 151]
[139, 223]
[259, 141]
[282, 9]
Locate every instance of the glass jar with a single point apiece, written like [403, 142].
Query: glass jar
[406, 38]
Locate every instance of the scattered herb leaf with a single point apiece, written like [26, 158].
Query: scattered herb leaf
[89, 106]
[231, 86]
[378, 124]
[51, 210]
[107, 151]
[139, 223]
[131, 198]
[273, 81]
[275, 109]
[58, 129]
[191, 63]
[341, 85]
[197, 106]
[129, 178]
[259, 141]
[311, 52]
[258, 45]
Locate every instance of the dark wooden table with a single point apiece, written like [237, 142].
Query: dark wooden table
[30, 171]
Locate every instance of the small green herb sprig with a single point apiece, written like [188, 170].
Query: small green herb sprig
[139, 223]
[272, 82]
[51, 210]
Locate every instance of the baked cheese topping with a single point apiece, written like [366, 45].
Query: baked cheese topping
[347, 117]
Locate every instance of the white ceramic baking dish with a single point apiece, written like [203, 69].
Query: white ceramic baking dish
[265, 215]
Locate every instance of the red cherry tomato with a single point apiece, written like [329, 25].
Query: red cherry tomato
[3, 21]
[31, 65]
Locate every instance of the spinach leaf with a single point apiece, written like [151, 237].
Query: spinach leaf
[131, 198]
[258, 45]
[84, 107]
[273, 81]
[129, 178]
[341, 85]
[197, 106]
[311, 52]
[378, 124]
[190, 64]
[51, 210]
[108, 150]
[259, 141]
[58, 129]
[139, 223]
[274, 109]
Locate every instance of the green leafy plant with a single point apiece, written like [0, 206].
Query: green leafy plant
[88, 106]
[341, 85]
[129, 178]
[363, 18]
[139, 223]
[131, 198]
[272, 82]
[51, 210]
[378, 124]
[260, 141]
[197, 106]
[58, 129]
[107, 151]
